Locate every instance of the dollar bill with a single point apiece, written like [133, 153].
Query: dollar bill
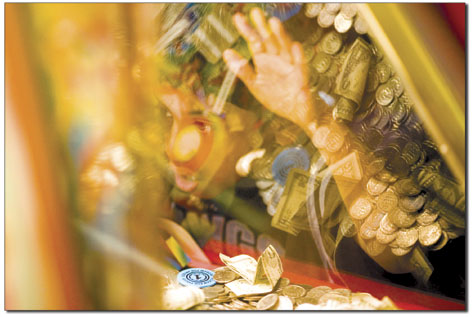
[352, 79]
[294, 195]
[291, 213]
[257, 277]
[243, 265]
[422, 267]
[269, 267]
[300, 220]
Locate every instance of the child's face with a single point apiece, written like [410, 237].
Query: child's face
[201, 150]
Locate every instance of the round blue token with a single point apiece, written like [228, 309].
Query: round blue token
[294, 157]
[196, 277]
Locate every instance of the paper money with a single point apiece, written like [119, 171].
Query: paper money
[352, 80]
[242, 295]
[294, 195]
[269, 267]
[291, 213]
[243, 265]
[257, 277]
[422, 267]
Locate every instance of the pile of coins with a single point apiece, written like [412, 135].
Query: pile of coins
[411, 198]
[342, 16]
[408, 196]
[388, 218]
[286, 296]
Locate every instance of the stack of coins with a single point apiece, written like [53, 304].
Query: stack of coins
[363, 107]
[286, 296]
[398, 215]
[343, 16]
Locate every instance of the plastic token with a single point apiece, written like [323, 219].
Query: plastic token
[196, 277]
[294, 157]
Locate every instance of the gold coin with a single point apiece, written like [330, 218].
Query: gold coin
[374, 220]
[386, 176]
[429, 235]
[412, 204]
[427, 217]
[318, 292]
[412, 150]
[384, 95]
[294, 291]
[331, 43]
[366, 232]
[319, 138]
[315, 37]
[224, 276]
[325, 19]
[400, 251]
[396, 85]
[267, 302]
[332, 8]
[376, 187]
[386, 226]
[374, 248]
[348, 10]
[322, 62]
[441, 243]
[406, 238]
[308, 52]
[342, 291]
[313, 9]
[384, 238]
[361, 208]
[360, 25]
[342, 23]
[387, 201]
[375, 166]
[401, 219]
[335, 141]
[384, 72]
